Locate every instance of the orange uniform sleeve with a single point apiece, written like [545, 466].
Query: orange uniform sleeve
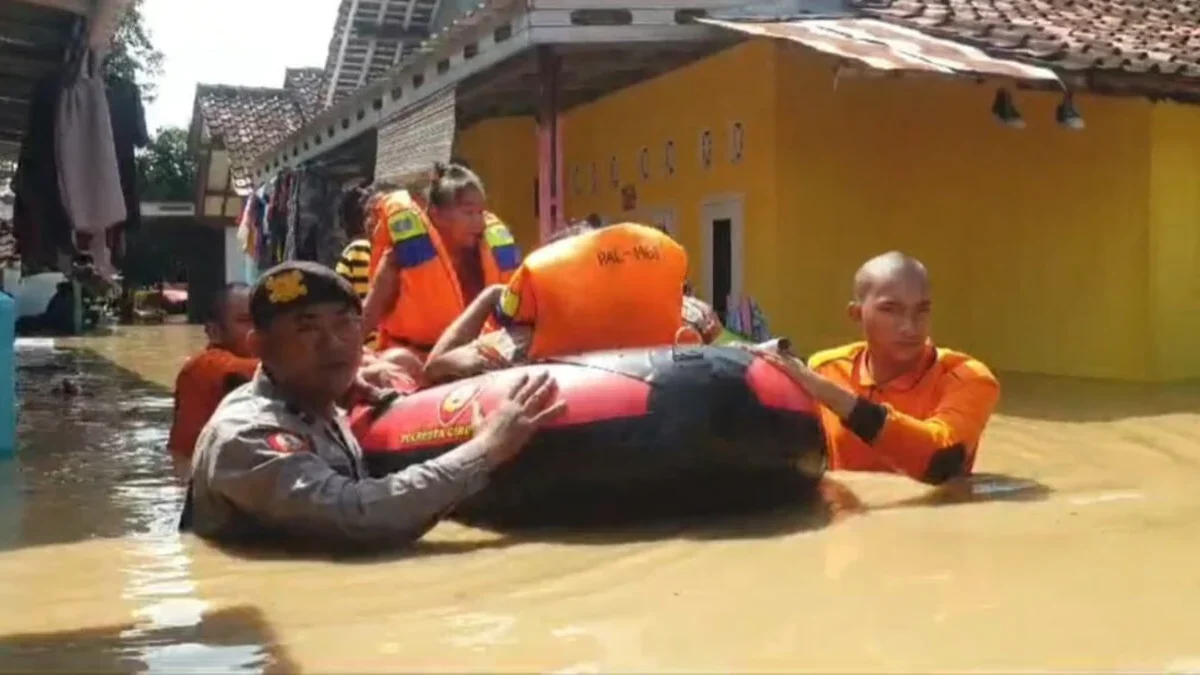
[183, 424]
[517, 304]
[199, 388]
[941, 446]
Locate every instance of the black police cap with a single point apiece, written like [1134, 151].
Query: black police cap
[295, 284]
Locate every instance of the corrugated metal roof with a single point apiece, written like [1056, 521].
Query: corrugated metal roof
[378, 86]
[369, 38]
[885, 46]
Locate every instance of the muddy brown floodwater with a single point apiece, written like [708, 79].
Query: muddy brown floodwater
[1075, 548]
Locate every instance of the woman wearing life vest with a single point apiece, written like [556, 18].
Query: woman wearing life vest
[588, 289]
[431, 257]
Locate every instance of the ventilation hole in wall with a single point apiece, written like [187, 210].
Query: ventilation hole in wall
[601, 17]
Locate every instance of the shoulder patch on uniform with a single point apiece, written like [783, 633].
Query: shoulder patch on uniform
[287, 443]
[498, 235]
[405, 225]
[510, 302]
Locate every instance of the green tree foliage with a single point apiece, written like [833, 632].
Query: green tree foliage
[133, 56]
[166, 170]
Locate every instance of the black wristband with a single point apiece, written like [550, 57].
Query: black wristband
[866, 420]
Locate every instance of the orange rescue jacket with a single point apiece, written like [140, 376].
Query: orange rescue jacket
[431, 296]
[199, 388]
[616, 287]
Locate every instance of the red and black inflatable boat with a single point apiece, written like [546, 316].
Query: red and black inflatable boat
[674, 428]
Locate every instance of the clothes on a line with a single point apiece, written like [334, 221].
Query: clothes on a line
[76, 173]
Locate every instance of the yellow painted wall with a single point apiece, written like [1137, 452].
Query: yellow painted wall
[678, 107]
[1174, 236]
[1052, 251]
[503, 152]
[1036, 238]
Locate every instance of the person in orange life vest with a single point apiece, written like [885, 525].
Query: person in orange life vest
[371, 212]
[894, 402]
[205, 379]
[586, 289]
[227, 363]
[432, 261]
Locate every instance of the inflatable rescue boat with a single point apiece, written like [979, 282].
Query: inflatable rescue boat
[671, 428]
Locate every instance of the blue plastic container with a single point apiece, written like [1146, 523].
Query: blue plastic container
[8, 376]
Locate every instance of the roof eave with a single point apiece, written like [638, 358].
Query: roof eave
[540, 22]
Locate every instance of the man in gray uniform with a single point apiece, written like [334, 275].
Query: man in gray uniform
[277, 458]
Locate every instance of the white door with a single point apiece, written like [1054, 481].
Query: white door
[722, 247]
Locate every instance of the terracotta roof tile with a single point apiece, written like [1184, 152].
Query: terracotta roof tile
[251, 120]
[307, 83]
[1132, 36]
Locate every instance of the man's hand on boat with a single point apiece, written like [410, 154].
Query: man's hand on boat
[382, 377]
[529, 404]
[778, 353]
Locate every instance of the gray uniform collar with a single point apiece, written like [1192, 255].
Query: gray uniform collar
[265, 387]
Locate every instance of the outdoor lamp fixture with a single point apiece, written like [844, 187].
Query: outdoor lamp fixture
[1005, 111]
[1067, 115]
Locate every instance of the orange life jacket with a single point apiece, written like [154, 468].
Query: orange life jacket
[617, 287]
[199, 388]
[431, 296]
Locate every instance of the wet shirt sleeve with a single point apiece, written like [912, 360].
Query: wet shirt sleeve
[939, 447]
[273, 476]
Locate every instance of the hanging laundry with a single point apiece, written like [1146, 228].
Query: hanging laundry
[245, 231]
[262, 239]
[40, 222]
[129, 132]
[746, 319]
[293, 214]
[88, 174]
[316, 232]
[277, 225]
[87, 161]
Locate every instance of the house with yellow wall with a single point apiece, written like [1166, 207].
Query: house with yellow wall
[782, 163]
